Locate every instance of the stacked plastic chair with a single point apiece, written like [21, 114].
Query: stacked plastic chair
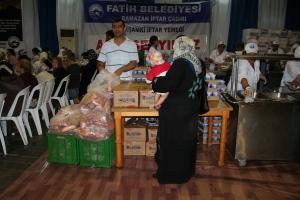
[49, 87]
[37, 93]
[63, 99]
[2, 100]
[17, 118]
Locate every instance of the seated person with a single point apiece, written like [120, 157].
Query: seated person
[218, 56]
[73, 69]
[24, 71]
[6, 69]
[291, 75]
[275, 48]
[159, 67]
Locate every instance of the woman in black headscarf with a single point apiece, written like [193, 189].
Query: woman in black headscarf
[178, 115]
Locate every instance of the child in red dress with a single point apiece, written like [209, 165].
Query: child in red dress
[159, 67]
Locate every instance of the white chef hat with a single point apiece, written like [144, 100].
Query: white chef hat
[221, 43]
[297, 52]
[251, 47]
[275, 42]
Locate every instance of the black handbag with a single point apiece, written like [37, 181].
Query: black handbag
[204, 107]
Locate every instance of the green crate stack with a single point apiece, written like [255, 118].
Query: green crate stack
[97, 153]
[62, 149]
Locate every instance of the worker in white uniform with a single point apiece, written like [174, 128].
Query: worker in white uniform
[275, 48]
[218, 56]
[248, 72]
[291, 75]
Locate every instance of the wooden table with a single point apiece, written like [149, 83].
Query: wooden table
[218, 109]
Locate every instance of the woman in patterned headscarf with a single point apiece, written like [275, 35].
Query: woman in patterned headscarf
[178, 115]
[88, 71]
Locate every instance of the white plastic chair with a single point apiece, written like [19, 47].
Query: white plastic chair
[2, 100]
[63, 100]
[34, 110]
[49, 87]
[17, 117]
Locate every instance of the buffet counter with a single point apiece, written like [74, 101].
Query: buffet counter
[266, 129]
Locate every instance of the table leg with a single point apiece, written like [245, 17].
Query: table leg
[223, 139]
[210, 127]
[119, 150]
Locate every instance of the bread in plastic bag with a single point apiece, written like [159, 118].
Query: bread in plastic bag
[96, 101]
[96, 126]
[66, 120]
[104, 81]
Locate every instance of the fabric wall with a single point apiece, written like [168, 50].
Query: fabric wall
[220, 19]
[271, 14]
[292, 19]
[47, 24]
[30, 25]
[243, 15]
[70, 15]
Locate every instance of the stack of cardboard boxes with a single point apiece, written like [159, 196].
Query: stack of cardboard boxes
[265, 37]
[215, 87]
[215, 130]
[133, 95]
[135, 137]
[139, 139]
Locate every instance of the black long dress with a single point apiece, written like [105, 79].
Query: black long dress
[178, 115]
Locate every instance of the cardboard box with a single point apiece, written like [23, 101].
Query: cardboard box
[150, 148]
[135, 134]
[135, 130]
[146, 98]
[134, 148]
[212, 90]
[152, 133]
[125, 98]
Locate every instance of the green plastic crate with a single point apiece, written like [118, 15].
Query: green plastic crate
[62, 149]
[97, 153]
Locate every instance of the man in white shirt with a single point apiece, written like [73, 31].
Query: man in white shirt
[218, 56]
[248, 72]
[275, 48]
[291, 75]
[119, 55]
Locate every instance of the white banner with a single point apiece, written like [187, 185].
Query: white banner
[166, 33]
[166, 21]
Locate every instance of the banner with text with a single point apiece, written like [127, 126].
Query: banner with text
[143, 20]
[10, 24]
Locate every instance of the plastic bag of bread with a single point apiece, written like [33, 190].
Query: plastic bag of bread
[96, 101]
[104, 81]
[96, 126]
[66, 120]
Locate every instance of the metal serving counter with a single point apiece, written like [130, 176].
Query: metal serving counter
[267, 129]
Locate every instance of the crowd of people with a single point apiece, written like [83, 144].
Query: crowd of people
[18, 71]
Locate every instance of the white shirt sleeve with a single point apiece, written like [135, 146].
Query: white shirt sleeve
[102, 55]
[212, 55]
[242, 70]
[134, 56]
[280, 51]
